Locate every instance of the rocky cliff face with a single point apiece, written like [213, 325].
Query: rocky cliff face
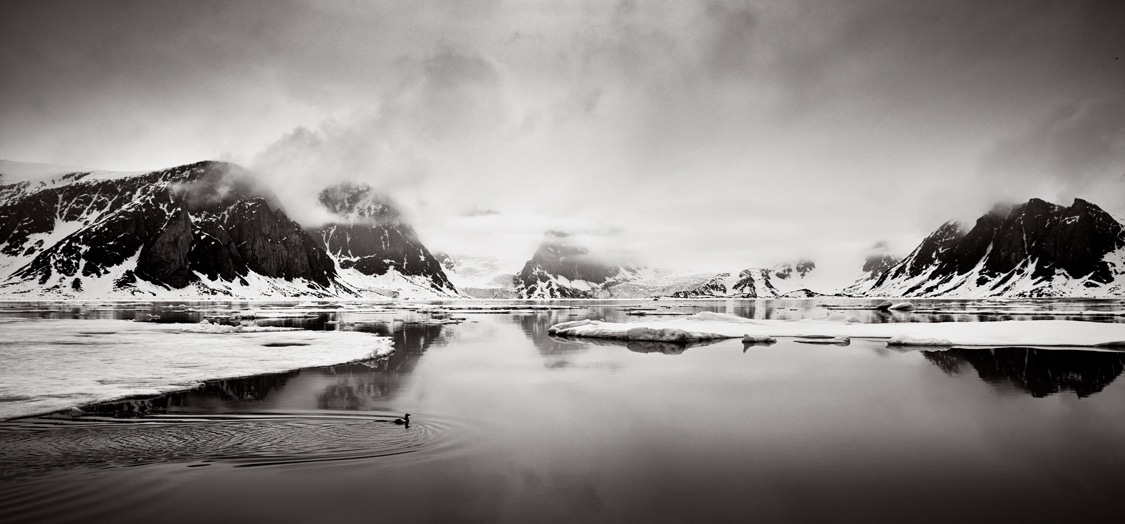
[1034, 249]
[561, 268]
[370, 239]
[199, 230]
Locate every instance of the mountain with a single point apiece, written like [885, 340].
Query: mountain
[797, 280]
[748, 283]
[199, 230]
[563, 268]
[878, 261]
[1037, 249]
[478, 277]
[373, 248]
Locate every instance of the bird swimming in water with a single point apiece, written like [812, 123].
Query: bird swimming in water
[404, 420]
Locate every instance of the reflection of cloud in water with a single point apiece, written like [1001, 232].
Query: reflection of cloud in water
[1038, 372]
[556, 351]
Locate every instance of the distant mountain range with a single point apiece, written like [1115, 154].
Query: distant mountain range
[199, 231]
[210, 230]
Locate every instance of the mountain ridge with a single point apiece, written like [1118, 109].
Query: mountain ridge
[197, 230]
[1036, 249]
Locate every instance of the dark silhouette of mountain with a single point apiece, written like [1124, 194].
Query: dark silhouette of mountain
[1034, 249]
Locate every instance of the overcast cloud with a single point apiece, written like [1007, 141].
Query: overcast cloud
[712, 135]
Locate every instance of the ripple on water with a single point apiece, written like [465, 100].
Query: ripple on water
[40, 445]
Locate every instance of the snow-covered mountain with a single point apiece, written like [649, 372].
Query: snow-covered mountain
[783, 280]
[1037, 249]
[562, 268]
[879, 260]
[748, 283]
[375, 251]
[194, 231]
[478, 277]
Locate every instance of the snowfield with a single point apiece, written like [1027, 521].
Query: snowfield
[709, 326]
[51, 365]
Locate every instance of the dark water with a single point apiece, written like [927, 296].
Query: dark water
[511, 425]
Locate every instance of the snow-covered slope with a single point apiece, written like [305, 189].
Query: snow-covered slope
[194, 231]
[1037, 249]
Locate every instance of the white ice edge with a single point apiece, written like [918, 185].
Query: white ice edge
[51, 365]
[707, 326]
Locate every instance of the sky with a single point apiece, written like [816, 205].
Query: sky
[709, 135]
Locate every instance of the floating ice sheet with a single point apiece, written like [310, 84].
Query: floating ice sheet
[703, 326]
[50, 365]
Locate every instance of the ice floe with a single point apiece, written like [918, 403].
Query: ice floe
[52, 365]
[704, 326]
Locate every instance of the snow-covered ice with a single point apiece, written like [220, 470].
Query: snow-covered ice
[903, 340]
[706, 325]
[51, 365]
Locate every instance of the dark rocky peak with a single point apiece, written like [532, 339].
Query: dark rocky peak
[358, 202]
[1074, 239]
[1037, 243]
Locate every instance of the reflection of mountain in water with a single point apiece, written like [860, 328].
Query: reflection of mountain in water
[358, 384]
[349, 386]
[212, 394]
[1039, 372]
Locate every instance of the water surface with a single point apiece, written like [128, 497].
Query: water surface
[512, 425]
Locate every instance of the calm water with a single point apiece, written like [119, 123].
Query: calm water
[512, 425]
